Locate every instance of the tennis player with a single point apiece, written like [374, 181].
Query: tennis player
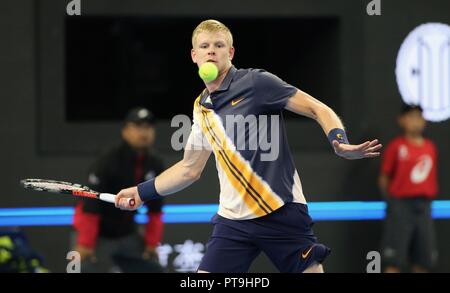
[262, 206]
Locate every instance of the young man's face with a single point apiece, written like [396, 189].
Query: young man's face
[412, 122]
[212, 47]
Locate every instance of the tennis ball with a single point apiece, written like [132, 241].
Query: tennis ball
[208, 71]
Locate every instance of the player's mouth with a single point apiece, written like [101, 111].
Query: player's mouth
[211, 60]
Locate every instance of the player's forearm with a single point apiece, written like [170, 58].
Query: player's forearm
[176, 178]
[327, 118]
[170, 181]
[304, 104]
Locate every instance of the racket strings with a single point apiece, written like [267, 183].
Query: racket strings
[56, 186]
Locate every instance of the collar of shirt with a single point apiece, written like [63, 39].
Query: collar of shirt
[224, 86]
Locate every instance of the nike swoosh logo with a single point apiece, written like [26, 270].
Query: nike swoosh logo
[305, 254]
[235, 102]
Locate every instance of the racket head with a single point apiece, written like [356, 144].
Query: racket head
[63, 187]
[53, 186]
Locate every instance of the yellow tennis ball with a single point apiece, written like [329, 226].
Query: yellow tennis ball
[208, 71]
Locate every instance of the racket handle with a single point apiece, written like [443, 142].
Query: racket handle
[109, 197]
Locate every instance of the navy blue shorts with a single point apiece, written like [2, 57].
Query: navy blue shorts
[285, 236]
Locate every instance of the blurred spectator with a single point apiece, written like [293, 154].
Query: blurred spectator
[107, 238]
[408, 180]
[16, 255]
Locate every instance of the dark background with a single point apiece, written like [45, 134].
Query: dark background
[51, 129]
[132, 61]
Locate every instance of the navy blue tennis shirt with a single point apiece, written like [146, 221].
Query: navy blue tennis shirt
[243, 123]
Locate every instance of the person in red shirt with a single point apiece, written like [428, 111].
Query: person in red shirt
[408, 181]
[108, 239]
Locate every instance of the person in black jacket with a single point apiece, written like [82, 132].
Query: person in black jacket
[107, 236]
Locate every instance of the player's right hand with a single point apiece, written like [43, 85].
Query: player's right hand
[122, 199]
[369, 149]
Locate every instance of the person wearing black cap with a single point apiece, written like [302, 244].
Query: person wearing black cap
[105, 235]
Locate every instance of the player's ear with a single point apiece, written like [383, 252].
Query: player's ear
[231, 53]
[193, 56]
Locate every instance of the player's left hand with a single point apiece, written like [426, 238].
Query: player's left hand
[369, 149]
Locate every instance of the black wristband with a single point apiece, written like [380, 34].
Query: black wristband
[147, 190]
[337, 134]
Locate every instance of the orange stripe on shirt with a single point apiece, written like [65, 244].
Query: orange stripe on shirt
[258, 197]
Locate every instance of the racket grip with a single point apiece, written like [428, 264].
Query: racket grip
[109, 197]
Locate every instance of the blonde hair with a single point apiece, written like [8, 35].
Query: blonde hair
[212, 26]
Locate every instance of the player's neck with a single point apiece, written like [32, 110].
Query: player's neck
[214, 85]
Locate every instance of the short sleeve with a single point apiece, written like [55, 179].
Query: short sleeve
[272, 92]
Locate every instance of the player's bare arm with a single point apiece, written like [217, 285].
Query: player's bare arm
[183, 173]
[175, 178]
[304, 104]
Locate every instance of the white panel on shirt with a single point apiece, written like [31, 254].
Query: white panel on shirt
[297, 190]
[197, 140]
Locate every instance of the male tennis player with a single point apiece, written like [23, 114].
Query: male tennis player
[262, 206]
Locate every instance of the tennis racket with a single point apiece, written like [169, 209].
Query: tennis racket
[62, 187]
